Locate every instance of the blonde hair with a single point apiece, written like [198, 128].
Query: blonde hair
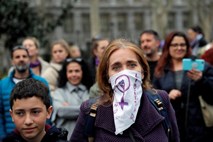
[35, 41]
[63, 43]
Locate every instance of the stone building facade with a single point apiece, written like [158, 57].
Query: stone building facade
[117, 19]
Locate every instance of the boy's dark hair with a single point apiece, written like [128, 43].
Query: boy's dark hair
[29, 88]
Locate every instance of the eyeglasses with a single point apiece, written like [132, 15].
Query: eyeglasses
[176, 45]
[73, 59]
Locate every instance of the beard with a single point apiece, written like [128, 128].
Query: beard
[149, 52]
[22, 68]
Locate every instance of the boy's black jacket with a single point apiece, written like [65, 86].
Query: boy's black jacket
[53, 134]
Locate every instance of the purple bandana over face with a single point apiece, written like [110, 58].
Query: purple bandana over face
[127, 87]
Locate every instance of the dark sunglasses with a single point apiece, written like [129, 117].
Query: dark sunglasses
[16, 48]
[19, 47]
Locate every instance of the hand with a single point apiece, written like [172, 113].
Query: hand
[173, 94]
[194, 74]
[65, 104]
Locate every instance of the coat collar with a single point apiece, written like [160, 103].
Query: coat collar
[147, 118]
[72, 88]
[11, 75]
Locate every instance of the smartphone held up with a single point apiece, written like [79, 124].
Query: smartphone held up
[189, 64]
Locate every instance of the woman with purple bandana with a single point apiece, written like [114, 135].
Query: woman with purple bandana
[124, 112]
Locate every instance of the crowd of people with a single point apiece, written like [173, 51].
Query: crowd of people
[126, 92]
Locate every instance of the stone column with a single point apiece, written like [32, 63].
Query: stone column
[94, 18]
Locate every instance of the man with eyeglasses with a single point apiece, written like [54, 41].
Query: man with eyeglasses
[21, 62]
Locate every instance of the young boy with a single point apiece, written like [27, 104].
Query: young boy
[30, 107]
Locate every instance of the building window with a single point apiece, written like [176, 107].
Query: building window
[85, 1]
[122, 22]
[49, 21]
[105, 22]
[85, 23]
[47, 3]
[139, 21]
[171, 21]
[68, 24]
[187, 21]
[104, 1]
[138, 0]
[121, 1]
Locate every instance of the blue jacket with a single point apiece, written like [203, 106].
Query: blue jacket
[193, 129]
[147, 127]
[6, 86]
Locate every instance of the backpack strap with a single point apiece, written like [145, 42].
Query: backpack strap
[90, 120]
[157, 101]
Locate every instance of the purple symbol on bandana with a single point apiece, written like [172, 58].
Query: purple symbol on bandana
[122, 87]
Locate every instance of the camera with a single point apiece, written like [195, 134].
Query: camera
[189, 64]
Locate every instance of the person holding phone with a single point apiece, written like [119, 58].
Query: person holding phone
[184, 87]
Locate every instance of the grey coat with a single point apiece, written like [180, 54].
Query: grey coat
[65, 115]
